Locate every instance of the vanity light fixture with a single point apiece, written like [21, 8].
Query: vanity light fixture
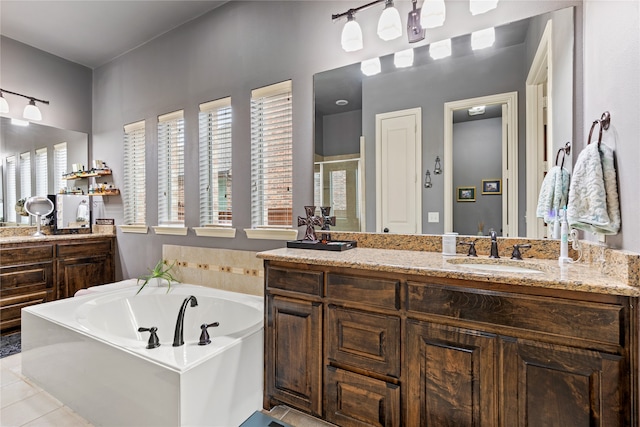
[31, 111]
[370, 67]
[427, 180]
[441, 49]
[351, 34]
[437, 169]
[433, 13]
[483, 38]
[476, 7]
[404, 58]
[389, 24]
[415, 32]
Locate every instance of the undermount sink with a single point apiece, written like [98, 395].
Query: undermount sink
[498, 267]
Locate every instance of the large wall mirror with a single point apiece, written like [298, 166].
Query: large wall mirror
[33, 159]
[485, 170]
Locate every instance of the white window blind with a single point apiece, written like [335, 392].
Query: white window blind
[171, 169]
[215, 163]
[271, 156]
[59, 166]
[12, 194]
[25, 175]
[42, 178]
[134, 191]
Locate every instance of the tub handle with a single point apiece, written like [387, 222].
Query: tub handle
[204, 335]
[153, 338]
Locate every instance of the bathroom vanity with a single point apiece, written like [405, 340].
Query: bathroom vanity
[373, 337]
[34, 270]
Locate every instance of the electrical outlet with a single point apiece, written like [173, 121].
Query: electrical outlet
[434, 217]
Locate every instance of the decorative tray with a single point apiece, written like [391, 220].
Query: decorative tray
[332, 245]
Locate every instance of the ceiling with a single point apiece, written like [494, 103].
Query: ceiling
[94, 32]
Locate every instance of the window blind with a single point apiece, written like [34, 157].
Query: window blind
[25, 175]
[171, 169]
[42, 178]
[12, 194]
[60, 166]
[271, 156]
[215, 162]
[134, 191]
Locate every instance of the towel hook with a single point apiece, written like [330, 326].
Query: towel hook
[605, 121]
[566, 150]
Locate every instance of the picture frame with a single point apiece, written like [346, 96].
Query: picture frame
[466, 194]
[491, 186]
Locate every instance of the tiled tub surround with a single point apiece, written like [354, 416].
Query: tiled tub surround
[621, 266]
[225, 269]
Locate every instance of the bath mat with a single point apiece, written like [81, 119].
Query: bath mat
[9, 344]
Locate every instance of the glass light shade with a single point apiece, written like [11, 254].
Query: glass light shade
[404, 58]
[389, 24]
[351, 36]
[476, 7]
[370, 67]
[441, 49]
[433, 13]
[32, 112]
[4, 105]
[18, 122]
[483, 38]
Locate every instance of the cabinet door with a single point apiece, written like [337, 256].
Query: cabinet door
[450, 377]
[79, 273]
[293, 359]
[547, 385]
[357, 401]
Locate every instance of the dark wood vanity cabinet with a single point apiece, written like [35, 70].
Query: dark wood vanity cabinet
[36, 272]
[364, 348]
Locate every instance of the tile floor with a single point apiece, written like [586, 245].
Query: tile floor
[25, 404]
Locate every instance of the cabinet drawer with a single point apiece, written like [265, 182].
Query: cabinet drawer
[357, 401]
[573, 319]
[375, 292]
[364, 340]
[10, 308]
[306, 282]
[25, 254]
[84, 248]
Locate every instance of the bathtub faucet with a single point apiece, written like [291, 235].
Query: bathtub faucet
[178, 335]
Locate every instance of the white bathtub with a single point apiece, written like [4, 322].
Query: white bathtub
[87, 352]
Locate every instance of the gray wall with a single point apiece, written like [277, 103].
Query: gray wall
[477, 155]
[341, 133]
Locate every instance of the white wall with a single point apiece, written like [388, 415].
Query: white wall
[612, 83]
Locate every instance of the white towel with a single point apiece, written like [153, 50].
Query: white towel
[593, 195]
[554, 193]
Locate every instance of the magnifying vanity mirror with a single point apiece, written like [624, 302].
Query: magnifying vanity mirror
[34, 159]
[492, 163]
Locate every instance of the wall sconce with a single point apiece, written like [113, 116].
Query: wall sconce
[389, 24]
[427, 180]
[31, 111]
[437, 169]
[351, 38]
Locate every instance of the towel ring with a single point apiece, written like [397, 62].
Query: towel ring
[566, 150]
[605, 121]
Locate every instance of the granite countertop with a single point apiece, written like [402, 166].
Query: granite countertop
[51, 237]
[549, 274]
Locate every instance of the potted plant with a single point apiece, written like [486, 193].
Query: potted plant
[159, 273]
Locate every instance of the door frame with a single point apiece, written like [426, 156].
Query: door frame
[417, 113]
[509, 158]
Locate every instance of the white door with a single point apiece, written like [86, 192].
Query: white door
[398, 163]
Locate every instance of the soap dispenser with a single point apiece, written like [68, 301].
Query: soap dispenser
[564, 238]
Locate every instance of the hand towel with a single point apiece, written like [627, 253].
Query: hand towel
[593, 194]
[554, 193]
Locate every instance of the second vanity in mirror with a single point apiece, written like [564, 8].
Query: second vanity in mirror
[492, 164]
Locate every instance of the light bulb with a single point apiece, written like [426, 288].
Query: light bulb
[32, 112]
[351, 35]
[389, 24]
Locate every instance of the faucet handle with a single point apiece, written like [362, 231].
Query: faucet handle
[516, 250]
[204, 335]
[153, 338]
[472, 247]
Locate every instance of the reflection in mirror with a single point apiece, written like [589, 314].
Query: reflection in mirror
[72, 211]
[429, 84]
[34, 158]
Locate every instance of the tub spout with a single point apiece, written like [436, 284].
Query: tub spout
[178, 335]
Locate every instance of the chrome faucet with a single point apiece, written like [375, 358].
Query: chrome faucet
[494, 244]
[178, 335]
